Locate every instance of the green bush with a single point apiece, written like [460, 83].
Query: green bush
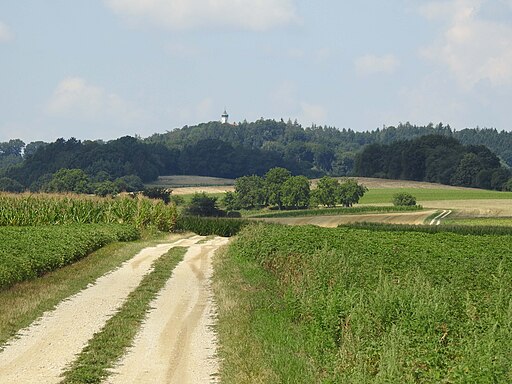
[404, 199]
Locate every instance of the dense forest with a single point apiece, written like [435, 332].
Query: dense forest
[226, 150]
[434, 158]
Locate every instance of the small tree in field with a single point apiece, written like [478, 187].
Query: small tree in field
[403, 199]
[203, 205]
[349, 192]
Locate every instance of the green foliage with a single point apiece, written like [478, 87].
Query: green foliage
[433, 158]
[295, 192]
[129, 183]
[351, 305]
[404, 199]
[206, 226]
[231, 202]
[250, 192]
[349, 192]
[274, 180]
[326, 192]
[40, 209]
[69, 180]
[203, 205]
[105, 188]
[10, 185]
[163, 194]
[28, 252]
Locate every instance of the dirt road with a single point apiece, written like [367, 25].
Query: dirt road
[43, 350]
[175, 345]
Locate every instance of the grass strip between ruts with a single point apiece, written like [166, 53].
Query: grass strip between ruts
[108, 345]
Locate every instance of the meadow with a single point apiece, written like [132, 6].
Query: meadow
[385, 195]
[349, 305]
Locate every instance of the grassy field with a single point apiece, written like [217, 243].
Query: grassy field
[385, 195]
[344, 305]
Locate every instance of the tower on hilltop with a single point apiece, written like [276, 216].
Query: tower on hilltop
[224, 117]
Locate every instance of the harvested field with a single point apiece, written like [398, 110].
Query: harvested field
[474, 208]
[334, 221]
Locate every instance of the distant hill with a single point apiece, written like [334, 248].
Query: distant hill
[224, 150]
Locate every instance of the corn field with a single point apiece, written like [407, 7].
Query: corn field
[51, 209]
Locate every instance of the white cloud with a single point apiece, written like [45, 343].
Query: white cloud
[194, 111]
[5, 33]
[312, 113]
[474, 49]
[371, 64]
[75, 98]
[189, 14]
[286, 102]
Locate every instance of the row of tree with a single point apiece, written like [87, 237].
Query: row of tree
[435, 158]
[280, 189]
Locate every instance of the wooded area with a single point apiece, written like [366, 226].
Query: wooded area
[232, 151]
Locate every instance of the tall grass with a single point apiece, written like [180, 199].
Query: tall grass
[44, 209]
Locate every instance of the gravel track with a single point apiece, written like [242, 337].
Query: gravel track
[43, 350]
[176, 343]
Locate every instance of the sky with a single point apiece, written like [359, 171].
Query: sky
[102, 69]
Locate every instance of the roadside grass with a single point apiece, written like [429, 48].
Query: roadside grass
[24, 302]
[385, 195]
[345, 305]
[108, 345]
[256, 333]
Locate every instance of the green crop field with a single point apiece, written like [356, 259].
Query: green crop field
[385, 195]
[28, 252]
[346, 305]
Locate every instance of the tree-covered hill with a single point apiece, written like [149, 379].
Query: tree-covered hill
[226, 150]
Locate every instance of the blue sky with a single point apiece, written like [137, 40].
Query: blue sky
[106, 68]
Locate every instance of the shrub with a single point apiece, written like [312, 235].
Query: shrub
[404, 199]
[203, 205]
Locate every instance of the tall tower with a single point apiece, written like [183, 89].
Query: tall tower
[224, 117]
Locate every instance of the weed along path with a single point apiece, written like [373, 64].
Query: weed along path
[45, 348]
[176, 343]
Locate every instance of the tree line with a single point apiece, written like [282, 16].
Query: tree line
[232, 151]
[437, 159]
